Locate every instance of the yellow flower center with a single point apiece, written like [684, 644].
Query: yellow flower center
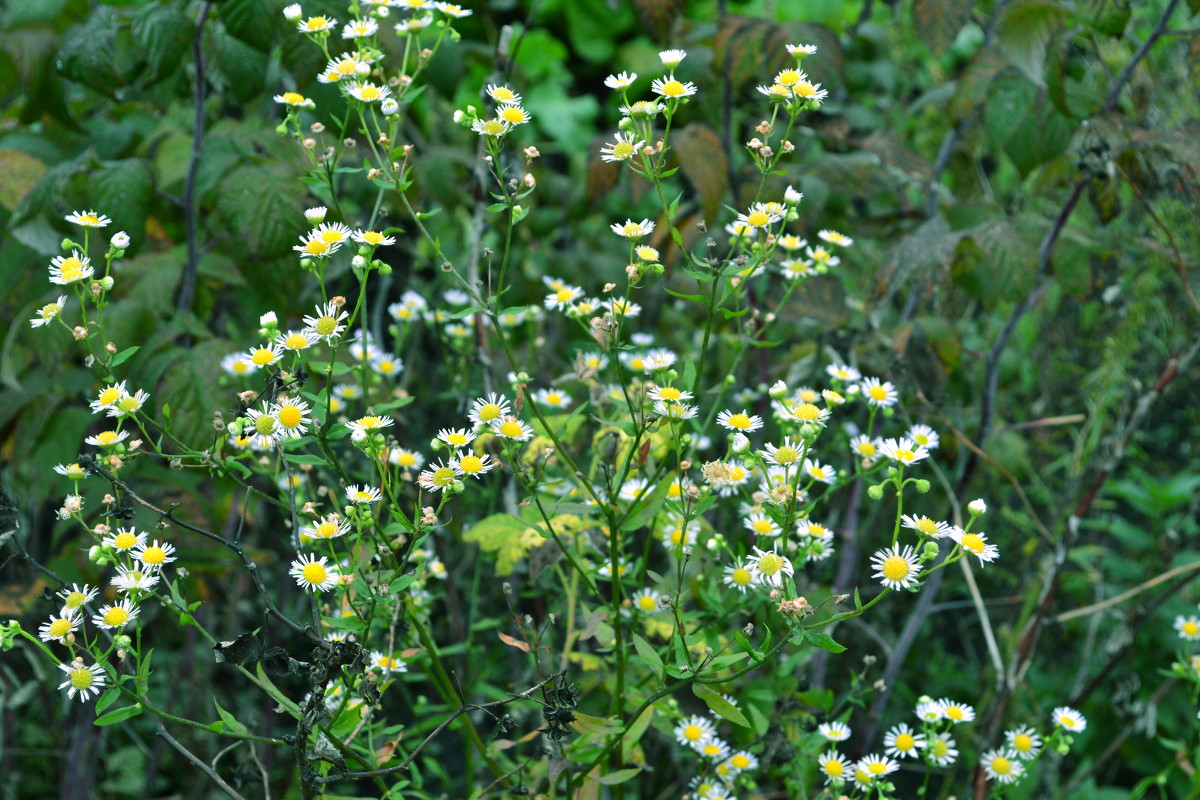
[786, 455]
[325, 530]
[904, 455]
[262, 356]
[877, 767]
[757, 219]
[763, 527]
[972, 542]
[673, 88]
[770, 564]
[326, 326]
[109, 396]
[369, 93]
[647, 603]
[265, 424]
[896, 568]
[927, 526]
[471, 464]
[362, 496]
[905, 742]
[1001, 766]
[443, 476]
[316, 23]
[493, 127]
[74, 600]
[739, 761]
[60, 628]
[116, 616]
[124, 540]
[877, 393]
[154, 555]
[693, 733]
[71, 269]
[369, 422]
[317, 247]
[314, 573]
[742, 577]
[372, 237]
[511, 428]
[1023, 743]
[833, 768]
[1190, 627]
[789, 77]
[739, 421]
[290, 416]
[293, 98]
[81, 678]
[623, 150]
[502, 94]
[406, 459]
[954, 712]
[804, 89]
[513, 115]
[296, 341]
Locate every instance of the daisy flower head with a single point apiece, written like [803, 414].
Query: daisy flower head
[360, 29]
[107, 397]
[125, 540]
[834, 731]
[552, 398]
[49, 312]
[821, 257]
[331, 526]
[641, 109]
[503, 95]
[439, 477]
[622, 80]
[467, 463]
[59, 627]
[694, 730]
[924, 436]
[511, 427]
[294, 100]
[128, 404]
[842, 372]
[762, 215]
[668, 394]
[625, 147]
[265, 428]
[485, 410]
[454, 10]
[490, 127]
[237, 365]
[132, 579]
[512, 115]
[74, 471]
[86, 681]
[265, 355]
[738, 575]
[834, 766]
[740, 422]
[713, 747]
[314, 574]
[976, 544]
[903, 742]
[807, 90]
[675, 411]
[673, 89]
[116, 615]
[833, 237]
[877, 766]
[940, 750]
[926, 526]
[633, 230]
[316, 25]
[1002, 765]
[903, 451]
[456, 437]
[562, 297]
[372, 238]
[370, 424]
[956, 712]
[928, 710]
[1069, 719]
[1023, 741]
[1188, 627]
[74, 598]
[156, 554]
[362, 495]
[800, 50]
[896, 567]
[387, 664]
[672, 58]
[822, 473]
[807, 413]
[880, 394]
[741, 761]
[65, 270]
[646, 601]
[760, 524]
[865, 447]
[313, 246]
[88, 219]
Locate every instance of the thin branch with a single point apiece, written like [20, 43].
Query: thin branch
[1123, 596]
[1114, 92]
[200, 765]
[187, 288]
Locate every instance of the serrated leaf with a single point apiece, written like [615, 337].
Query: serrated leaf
[702, 161]
[249, 21]
[163, 33]
[244, 67]
[509, 538]
[87, 52]
[186, 389]
[939, 21]
[256, 206]
[125, 189]
[719, 705]
[1026, 28]
[120, 715]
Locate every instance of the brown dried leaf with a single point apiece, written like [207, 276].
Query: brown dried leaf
[702, 161]
[517, 643]
[939, 21]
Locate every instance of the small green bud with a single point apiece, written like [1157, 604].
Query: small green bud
[875, 492]
[922, 486]
[1062, 748]
[930, 551]
[809, 431]
[122, 642]
[384, 269]
[68, 244]
[281, 129]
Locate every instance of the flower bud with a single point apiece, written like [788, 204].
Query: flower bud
[119, 240]
[875, 491]
[292, 13]
[778, 390]
[977, 507]
[107, 283]
[922, 486]
[740, 443]
[930, 551]
[316, 214]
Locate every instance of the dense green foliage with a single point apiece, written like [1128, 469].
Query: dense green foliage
[1021, 180]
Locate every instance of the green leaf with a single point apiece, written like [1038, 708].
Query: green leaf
[305, 458]
[645, 510]
[257, 206]
[19, 173]
[511, 539]
[249, 21]
[187, 387]
[123, 356]
[693, 297]
[120, 715]
[107, 699]
[163, 34]
[86, 54]
[619, 776]
[649, 656]
[824, 641]
[125, 186]
[719, 705]
[244, 66]
[231, 722]
[1026, 28]
[938, 21]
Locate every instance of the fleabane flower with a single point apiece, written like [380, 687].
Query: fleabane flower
[621, 80]
[65, 270]
[903, 451]
[939, 749]
[646, 601]
[265, 355]
[156, 554]
[1069, 719]
[467, 463]
[116, 615]
[370, 424]
[955, 711]
[976, 544]
[738, 576]
[314, 574]
[633, 230]
[769, 567]
[762, 215]
[125, 540]
[75, 597]
[47, 313]
[834, 731]
[626, 146]
[672, 58]
[360, 29]
[896, 567]
[485, 410]
[876, 766]
[456, 437]
[265, 430]
[926, 526]
[88, 219]
[503, 95]
[879, 393]
[834, 766]
[512, 115]
[107, 439]
[693, 730]
[327, 323]
[903, 742]
[865, 447]
[84, 680]
[1002, 765]
[741, 422]
[439, 477]
[1024, 741]
[673, 89]
[362, 495]
[823, 473]
[1188, 627]
[316, 25]
[128, 404]
[327, 527]
[59, 626]
[107, 397]
[294, 100]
